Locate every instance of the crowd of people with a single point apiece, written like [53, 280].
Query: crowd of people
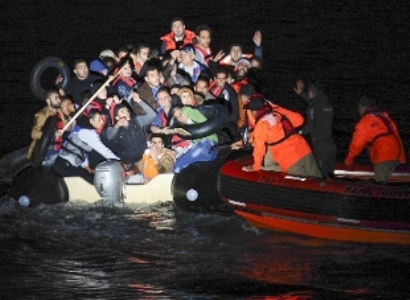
[132, 99]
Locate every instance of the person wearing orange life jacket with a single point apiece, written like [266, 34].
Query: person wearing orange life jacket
[157, 159]
[378, 132]
[178, 37]
[275, 129]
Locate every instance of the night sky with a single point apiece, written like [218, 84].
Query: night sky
[353, 46]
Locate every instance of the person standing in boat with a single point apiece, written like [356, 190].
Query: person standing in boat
[377, 132]
[319, 125]
[275, 130]
[178, 37]
[53, 101]
[73, 159]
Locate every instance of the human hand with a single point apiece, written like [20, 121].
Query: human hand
[59, 133]
[257, 38]
[122, 122]
[219, 56]
[248, 168]
[136, 97]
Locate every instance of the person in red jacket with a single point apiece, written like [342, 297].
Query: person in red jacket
[275, 129]
[178, 37]
[377, 132]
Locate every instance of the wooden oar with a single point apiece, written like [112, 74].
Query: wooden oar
[79, 112]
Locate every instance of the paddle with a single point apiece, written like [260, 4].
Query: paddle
[79, 112]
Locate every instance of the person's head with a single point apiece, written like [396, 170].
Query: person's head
[203, 35]
[109, 62]
[98, 66]
[164, 98]
[174, 89]
[67, 105]
[108, 53]
[178, 27]
[157, 141]
[126, 67]
[235, 52]
[242, 67]
[187, 54]
[314, 89]
[81, 69]
[364, 103]
[178, 113]
[256, 62]
[258, 106]
[152, 76]
[202, 85]
[187, 96]
[95, 118]
[221, 76]
[53, 99]
[121, 52]
[142, 52]
[122, 111]
[246, 92]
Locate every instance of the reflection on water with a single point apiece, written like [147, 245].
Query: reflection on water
[86, 251]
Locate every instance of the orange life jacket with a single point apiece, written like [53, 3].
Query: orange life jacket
[149, 170]
[170, 43]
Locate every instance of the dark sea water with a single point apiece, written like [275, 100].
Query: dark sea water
[78, 251]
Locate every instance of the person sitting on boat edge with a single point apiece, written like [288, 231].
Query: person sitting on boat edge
[275, 129]
[190, 151]
[73, 159]
[126, 138]
[379, 133]
[157, 159]
[53, 101]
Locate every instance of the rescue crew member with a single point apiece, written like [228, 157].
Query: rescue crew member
[377, 132]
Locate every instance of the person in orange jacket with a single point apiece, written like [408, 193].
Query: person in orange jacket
[177, 37]
[275, 129]
[377, 132]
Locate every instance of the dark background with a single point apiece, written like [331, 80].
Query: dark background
[353, 46]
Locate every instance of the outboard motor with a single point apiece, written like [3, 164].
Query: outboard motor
[109, 182]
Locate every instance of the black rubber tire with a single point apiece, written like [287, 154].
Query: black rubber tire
[35, 76]
[47, 136]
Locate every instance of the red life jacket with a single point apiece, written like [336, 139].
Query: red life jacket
[170, 41]
[205, 54]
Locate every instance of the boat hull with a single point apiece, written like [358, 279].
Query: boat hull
[343, 209]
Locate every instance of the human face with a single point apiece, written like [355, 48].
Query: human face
[152, 78]
[67, 107]
[220, 79]
[143, 54]
[123, 113]
[245, 99]
[126, 71]
[122, 54]
[241, 69]
[186, 99]
[81, 70]
[97, 122]
[180, 117]
[157, 143]
[204, 39]
[235, 53]
[202, 87]
[187, 58]
[164, 100]
[178, 28]
[54, 100]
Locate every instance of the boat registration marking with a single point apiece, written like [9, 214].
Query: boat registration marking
[270, 180]
[237, 203]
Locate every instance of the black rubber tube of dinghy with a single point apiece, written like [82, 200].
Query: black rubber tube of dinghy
[35, 76]
[39, 185]
[217, 118]
[47, 136]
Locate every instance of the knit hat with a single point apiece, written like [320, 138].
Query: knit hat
[247, 90]
[97, 66]
[244, 60]
[107, 52]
